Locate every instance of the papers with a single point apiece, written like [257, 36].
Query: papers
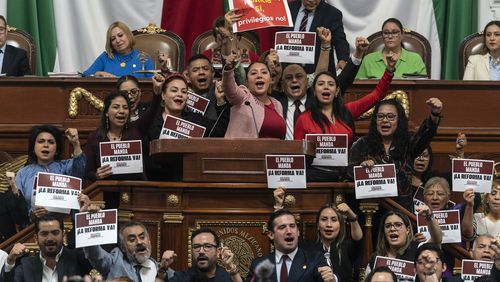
[449, 222]
[404, 269]
[472, 269]
[378, 181]
[295, 47]
[93, 229]
[197, 103]
[288, 171]
[177, 128]
[476, 174]
[57, 192]
[64, 74]
[123, 156]
[331, 149]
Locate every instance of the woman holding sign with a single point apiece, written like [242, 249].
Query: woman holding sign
[254, 114]
[45, 147]
[487, 221]
[389, 141]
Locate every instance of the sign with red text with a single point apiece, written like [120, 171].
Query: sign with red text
[419, 199]
[123, 156]
[261, 13]
[472, 269]
[177, 128]
[57, 191]
[449, 222]
[49, 209]
[404, 269]
[295, 47]
[287, 171]
[476, 174]
[331, 149]
[96, 228]
[377, 181]
[197, 103]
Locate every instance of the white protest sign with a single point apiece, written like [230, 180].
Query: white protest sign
[472, 269]
[123, 156]
[177, 128]
[468, 173]
[288, 171]
[404, 269]
[295, 47]
[378, 181]
[57, 191]
[449, 222]
[97, 228]
[331, 149]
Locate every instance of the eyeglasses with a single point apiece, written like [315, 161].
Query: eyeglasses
[390, 117]
[134, 91]
[396, 225]
[207, 247]
[394, 33]
[425, 261]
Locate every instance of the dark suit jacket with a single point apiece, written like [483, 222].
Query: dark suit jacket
[346, 78]
[15, 62]
[330, 17]
[13, 211]
[304, 267]
[30, 269]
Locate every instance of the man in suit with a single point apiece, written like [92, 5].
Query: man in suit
[295, 83]
[54, 262]
[291, 263]
[14, 61]
[307, 15]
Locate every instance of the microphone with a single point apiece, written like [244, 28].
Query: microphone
[328, 261]
[253, 115]
[217, 121]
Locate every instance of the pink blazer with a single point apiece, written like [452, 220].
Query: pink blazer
[241, 123]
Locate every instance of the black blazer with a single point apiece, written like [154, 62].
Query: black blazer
[304, 267]
[330, 17]
[15, 62]
[13, 211]
[30, 269]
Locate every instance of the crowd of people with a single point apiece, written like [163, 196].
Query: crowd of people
[258, 97]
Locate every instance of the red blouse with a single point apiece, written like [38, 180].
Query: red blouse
[274, 125]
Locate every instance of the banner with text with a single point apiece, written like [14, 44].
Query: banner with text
[288, 171]
[96, 228]
[472, 269]
[57, 191]
[468, 173]
[378, 181]
[331, 149]
[404, 269]
[197, 103]
[449, 222]
[295, 47]
[177, 128]
[123, 156]
[260, 13]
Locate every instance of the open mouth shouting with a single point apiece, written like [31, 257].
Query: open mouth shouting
[202, 82]
[393, 237]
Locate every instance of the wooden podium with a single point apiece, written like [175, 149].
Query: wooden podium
[225, 160]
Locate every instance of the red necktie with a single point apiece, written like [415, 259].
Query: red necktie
[303, 23]
[284, 270]
[297, 111]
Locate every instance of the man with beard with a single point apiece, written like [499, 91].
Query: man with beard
[54, 261]
[132, 258]
[205, 252]
[291, 262]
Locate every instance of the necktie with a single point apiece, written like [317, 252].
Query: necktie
[138, 272]
[297, 111]
[284, 270]
[303, 22]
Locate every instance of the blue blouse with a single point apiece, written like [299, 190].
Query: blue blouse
[120, 65]
[25, 177]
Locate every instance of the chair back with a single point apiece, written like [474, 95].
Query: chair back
[206, 41]
[471, 45]
[152, 39]
[412, 41]
[21, 39]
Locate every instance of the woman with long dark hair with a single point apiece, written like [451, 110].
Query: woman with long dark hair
[389, 141]
[484, 66]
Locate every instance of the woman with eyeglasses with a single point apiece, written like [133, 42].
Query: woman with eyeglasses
[486, 66]
[395, 236]
[408, 62]
[130, 84]
[390, 142]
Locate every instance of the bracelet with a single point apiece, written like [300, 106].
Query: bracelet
[354, 219]
[326, 48]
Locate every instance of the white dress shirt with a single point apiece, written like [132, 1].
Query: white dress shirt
[289, 115]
